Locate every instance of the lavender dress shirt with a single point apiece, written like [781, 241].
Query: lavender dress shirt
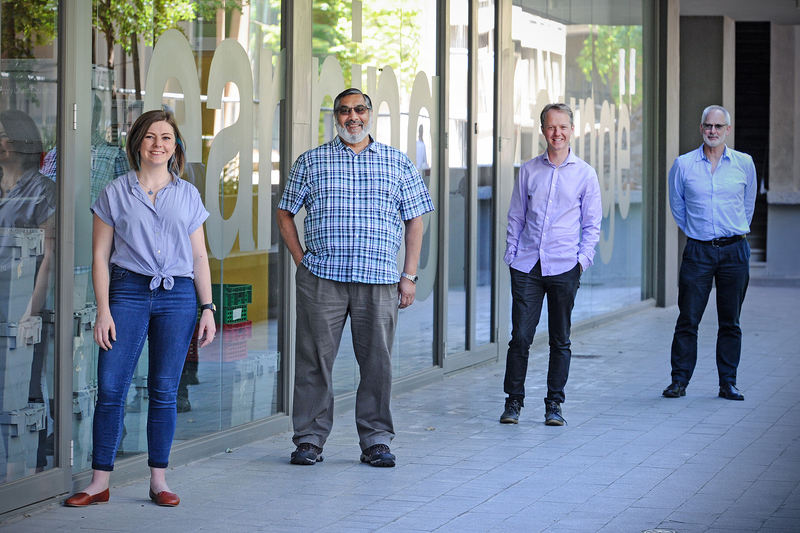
[554, 216]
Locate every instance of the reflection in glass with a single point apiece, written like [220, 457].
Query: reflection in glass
[27, 239]
[27, 234]
[459, 177]
[485, 153]
[236, 379]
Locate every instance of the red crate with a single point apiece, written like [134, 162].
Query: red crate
[240, 331]
[234, 338]
[234, 351]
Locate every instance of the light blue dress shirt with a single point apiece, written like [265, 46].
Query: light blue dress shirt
[554, 216]
[152, 240]
[710, 206]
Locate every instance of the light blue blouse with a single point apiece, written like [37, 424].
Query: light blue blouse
[152, 240]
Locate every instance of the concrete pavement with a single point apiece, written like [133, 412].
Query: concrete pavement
[628, 460]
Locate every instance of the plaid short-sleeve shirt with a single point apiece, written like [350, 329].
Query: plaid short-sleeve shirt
[356, 206]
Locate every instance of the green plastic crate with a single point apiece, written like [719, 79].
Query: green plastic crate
[231, 294]
[232, 315]
[228, 315]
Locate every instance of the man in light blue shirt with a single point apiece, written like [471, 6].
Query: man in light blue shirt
[712, 194]
[553, 227]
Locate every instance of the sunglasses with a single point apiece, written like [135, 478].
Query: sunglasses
[359, 109]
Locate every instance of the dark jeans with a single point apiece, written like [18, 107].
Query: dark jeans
[528, 292]
[167, 318]
[729, 268]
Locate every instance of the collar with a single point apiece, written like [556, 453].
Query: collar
[339, 145]
[25, 178]
[133, 179]
[98, 139]
[701, 154]
[571, 158]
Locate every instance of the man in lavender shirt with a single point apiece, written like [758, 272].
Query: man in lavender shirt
[553, 227]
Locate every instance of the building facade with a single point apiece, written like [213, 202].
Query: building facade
[456, 84]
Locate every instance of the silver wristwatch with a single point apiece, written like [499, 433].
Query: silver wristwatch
[410, 277]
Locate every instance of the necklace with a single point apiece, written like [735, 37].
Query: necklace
[7, 188]
[149, 189]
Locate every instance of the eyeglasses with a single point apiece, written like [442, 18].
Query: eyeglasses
[718, 127]
[359, 109]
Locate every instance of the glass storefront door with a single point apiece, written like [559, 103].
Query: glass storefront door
[472, 190]
[351, 50]
[28, 199]
[589, 55]
[217, 70]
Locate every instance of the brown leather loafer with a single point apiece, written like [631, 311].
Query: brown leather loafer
[81, 499]
[165, 499]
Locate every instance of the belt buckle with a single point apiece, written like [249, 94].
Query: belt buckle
[715, 243]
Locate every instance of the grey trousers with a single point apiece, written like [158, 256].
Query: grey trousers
[322, 309]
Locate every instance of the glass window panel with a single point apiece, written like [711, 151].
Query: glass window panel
[352, 50]
[28, 90]
[236, 379]
[589, 55]
[459, 178]
[485, 153]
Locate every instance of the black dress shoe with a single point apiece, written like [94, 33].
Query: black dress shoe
[675, 390]
[730, 392]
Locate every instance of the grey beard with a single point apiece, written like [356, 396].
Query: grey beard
[354, 138]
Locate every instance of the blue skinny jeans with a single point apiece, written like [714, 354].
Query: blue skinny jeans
[167, 318]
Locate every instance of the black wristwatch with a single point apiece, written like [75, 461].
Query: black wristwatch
[208, 306]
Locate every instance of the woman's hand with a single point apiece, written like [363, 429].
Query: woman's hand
[207, 329]
[105, 332]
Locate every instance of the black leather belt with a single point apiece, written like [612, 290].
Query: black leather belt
[724, 241]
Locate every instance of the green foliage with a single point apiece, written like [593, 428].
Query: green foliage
[391, 36]
[124, 20]
[26, 24]
[599, 59]
[267, 17]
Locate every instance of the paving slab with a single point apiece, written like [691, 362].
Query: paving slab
[629, 460]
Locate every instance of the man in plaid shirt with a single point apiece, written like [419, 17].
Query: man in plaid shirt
[358, 194]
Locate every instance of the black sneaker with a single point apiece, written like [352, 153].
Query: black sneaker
[378, 455]
[306, 454]
[184, 405]
[552, 414]
[511, 414]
